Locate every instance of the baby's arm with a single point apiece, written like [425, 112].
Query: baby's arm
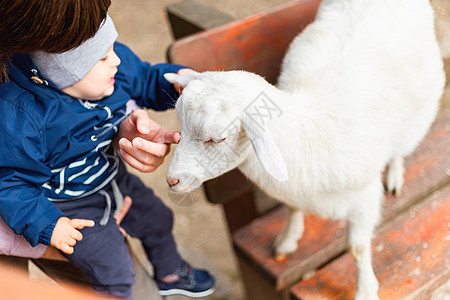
[65, 234]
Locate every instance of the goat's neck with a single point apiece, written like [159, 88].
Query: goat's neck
[266, 98]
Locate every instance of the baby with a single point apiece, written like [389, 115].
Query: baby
[60, 178]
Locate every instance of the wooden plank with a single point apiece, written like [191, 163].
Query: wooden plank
[240, 210]
[16, 285]
[410, 257]
[255, 44]
[189, 16]
[18, 262]
[322, 240]
[62, 271]
[230, 185]
[426, 170]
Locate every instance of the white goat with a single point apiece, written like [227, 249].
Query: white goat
[358, 90]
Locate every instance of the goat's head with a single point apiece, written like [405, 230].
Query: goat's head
[216, 134]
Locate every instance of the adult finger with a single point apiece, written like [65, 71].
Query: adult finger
[81, 223]
[123, 231]
[155, 149]
[145, 168]
[143, 150]
[123, 210]
[168, 136]
[156, 132]
[142, 121]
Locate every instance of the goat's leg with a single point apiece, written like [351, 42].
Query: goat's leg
[287, 240]
[362, 220]
[395, 175]
[367, 284]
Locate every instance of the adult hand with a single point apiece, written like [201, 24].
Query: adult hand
[179, 88]
[143, 143]
[122, 212]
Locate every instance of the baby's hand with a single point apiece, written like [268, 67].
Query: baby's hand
[65, 235]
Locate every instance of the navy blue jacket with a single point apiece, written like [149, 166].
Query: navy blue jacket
[53, 146]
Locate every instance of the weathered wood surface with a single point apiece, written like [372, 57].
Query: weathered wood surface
[409, 257]
[190, 16]
[257, 43]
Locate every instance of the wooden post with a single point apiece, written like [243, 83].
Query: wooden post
[189, 16]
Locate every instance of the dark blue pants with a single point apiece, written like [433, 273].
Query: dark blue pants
[103, 254]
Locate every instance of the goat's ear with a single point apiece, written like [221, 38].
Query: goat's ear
[182, 79]
[266, 150]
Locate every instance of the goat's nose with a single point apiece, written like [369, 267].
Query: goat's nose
[172, 181]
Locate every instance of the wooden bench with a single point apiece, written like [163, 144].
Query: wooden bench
[56, 266]
[257, 44]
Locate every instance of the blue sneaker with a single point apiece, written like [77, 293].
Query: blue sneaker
[193, 283]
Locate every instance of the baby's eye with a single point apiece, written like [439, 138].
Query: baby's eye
[215, 141]
[104, 58]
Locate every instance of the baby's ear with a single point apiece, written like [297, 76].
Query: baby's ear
[182, 79]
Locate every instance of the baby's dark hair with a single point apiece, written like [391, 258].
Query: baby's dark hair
[52, 26]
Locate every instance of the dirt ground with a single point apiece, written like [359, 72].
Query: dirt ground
[200, 229]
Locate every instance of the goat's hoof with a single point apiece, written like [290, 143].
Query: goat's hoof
[397, 192]
[280, 258]
[285, 246]
[395, 180]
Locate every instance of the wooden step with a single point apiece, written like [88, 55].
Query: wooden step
[410, 257]
[426, 170]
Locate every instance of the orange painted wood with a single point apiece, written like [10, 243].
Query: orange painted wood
[322, 239]
[257, 43]
[409, 257]
[15, 285]
[426, 170]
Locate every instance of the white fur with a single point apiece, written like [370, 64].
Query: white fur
[358, 90]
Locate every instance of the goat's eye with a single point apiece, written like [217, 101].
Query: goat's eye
[215, 141]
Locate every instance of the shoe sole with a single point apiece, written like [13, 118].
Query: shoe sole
[186, 293]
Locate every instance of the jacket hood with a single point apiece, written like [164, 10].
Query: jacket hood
[25, 74]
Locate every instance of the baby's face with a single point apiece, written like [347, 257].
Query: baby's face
[99, 82]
